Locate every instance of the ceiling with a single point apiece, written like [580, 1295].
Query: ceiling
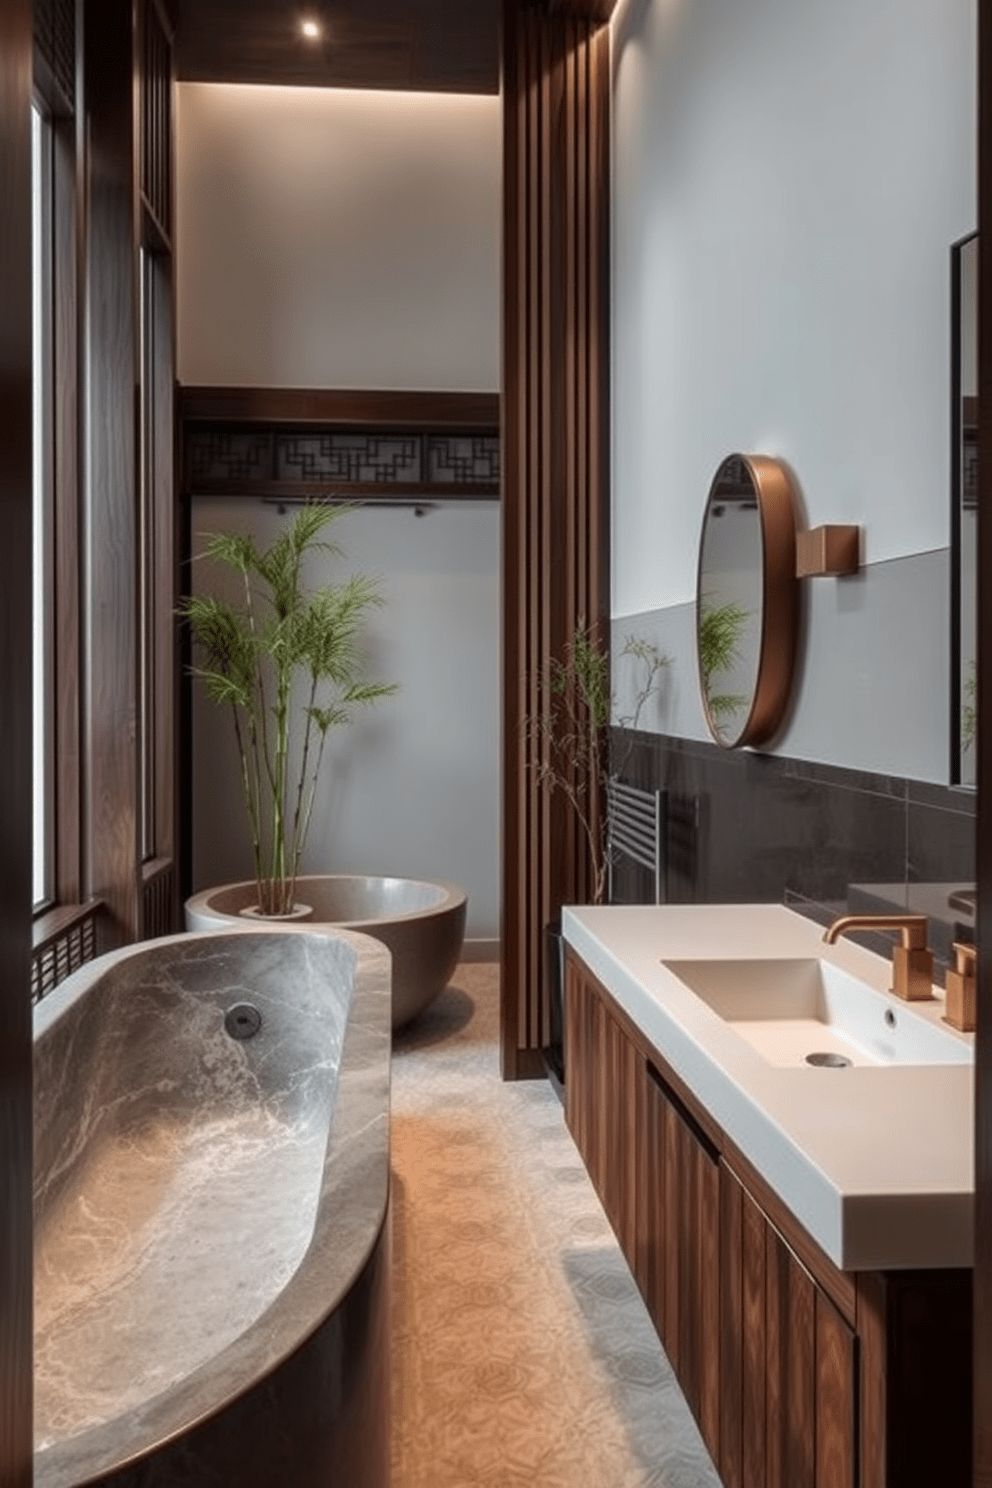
[449, 46]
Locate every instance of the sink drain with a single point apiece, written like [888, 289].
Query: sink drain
[242, 1021]
[828, 1061]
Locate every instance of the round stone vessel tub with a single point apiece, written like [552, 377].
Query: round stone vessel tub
[420, 921]
[211, 1215]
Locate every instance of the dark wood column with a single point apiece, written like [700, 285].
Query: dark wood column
[983, 1050]
[555, 387]
[15, 745]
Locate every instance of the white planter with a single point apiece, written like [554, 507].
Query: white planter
[421, 923]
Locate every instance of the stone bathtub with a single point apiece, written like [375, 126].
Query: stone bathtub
[420, 921]
[211, 1215]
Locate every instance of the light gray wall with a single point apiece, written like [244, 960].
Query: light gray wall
[412, 788]
[788, 180]
[871, 685]
[334, 237]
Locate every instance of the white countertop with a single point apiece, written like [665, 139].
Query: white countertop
[876, 1163]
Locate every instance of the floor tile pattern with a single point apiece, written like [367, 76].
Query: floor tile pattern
[522, 1352]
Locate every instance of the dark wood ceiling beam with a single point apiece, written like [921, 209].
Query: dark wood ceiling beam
[346, 408]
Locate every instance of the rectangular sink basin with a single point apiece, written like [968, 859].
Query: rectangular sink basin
[791, 1011]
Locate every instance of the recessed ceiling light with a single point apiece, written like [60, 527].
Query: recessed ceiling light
[310, 29]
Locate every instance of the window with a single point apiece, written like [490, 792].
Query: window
[42, 510]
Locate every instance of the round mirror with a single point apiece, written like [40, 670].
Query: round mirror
[747, 600]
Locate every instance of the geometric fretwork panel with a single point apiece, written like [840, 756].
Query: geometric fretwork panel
[456, 460]
[216, 454]
[385, 459]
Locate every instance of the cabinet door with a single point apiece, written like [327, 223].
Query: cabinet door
[788, 1369]
[686, 1245]
[604, 1104]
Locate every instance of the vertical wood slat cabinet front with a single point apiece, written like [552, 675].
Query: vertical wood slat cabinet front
[789, 1354]
[836, 1398]
[686, 1277]
[788, 1361]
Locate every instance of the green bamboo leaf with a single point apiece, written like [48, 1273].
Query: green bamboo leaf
[254, 655]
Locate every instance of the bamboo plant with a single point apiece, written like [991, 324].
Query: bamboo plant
[720, 628]
[572, 730]
[284, 653]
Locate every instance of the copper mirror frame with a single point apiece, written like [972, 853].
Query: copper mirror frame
[776, 622]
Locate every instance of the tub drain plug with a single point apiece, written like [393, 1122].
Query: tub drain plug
[242, 1021]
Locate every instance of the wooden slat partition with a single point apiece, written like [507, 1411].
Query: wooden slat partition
[555, 458]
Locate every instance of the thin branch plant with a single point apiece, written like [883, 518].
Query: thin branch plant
[255, 654]
[572, 731]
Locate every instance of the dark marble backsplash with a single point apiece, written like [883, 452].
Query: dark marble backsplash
[742, 826]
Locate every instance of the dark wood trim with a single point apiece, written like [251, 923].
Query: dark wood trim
[54, 923]
[68, 841]
[16, 48]
[344, 407]
[530, 1065]
[301, 491]
[597, 11]
[555, 479]
[983, 1043]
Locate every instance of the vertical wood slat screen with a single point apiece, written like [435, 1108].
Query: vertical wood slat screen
[156, 117]
[555, 482]
[55, 53]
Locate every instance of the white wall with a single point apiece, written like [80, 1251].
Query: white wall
[347, 239]
[788, 180]
[337, 238]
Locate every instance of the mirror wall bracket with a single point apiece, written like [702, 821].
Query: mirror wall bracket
[832, 550]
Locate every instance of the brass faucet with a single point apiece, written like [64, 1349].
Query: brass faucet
[912, 962]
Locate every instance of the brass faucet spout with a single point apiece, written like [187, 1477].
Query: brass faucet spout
[912, 962]
[913, 927]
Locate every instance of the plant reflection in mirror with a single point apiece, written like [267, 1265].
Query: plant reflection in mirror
[720, 628]
[253, 654]
[571, 732]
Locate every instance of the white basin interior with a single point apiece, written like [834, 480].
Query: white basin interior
[787, 1009]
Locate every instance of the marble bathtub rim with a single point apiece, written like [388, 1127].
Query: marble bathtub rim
[356, 1169]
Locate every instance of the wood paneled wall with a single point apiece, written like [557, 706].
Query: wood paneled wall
[15, 745]
[555, 388]
[125, 126]
[110, 514]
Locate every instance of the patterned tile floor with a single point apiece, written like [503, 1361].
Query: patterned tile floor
[522, 1352]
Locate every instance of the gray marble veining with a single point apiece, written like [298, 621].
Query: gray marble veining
[201, 1202]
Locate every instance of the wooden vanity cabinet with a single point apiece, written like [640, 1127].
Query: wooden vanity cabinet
[799, 1375]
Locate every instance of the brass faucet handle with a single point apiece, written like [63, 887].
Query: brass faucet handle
[959, 1007]
[965, 958]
